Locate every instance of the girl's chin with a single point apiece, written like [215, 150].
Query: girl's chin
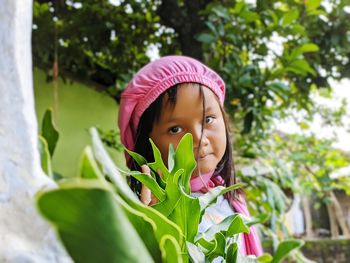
[206, 171]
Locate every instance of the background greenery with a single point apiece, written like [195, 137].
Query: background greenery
[274, 56]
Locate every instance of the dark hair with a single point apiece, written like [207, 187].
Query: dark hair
[152, 114]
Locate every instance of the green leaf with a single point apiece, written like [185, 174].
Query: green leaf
[289, 17]
[312, 5]
[109, 167]
[195, 253]
[151, 183]
[186, 215]
[231, 255]
[49, 131]
[210, 197]
[239, 7]
[231, 225]
[45, 157]
[249, 16]
[265, 258]
[221, 11]
[261, 218]
[146, 228]
[309, 47]
[300, 67]
[275, 196]
[158, 162]
[173, 195]
[245, 80]
[206, 38]
[281, 90]
[140, 160]
[184, 159]
[298, 29]
[92, 226]
[317, 12]
[284, 248]
[237, 226]
[88, 166]
[218, 248]
[170, 248]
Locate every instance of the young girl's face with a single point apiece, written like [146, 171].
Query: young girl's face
[186, 116]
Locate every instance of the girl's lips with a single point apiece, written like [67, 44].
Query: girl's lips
[204, 156]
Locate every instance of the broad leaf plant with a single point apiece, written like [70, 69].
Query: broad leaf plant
[99, 219]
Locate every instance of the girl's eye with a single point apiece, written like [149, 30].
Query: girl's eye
[209, 119]
[175, 130]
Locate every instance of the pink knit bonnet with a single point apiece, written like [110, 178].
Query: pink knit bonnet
[155, 78]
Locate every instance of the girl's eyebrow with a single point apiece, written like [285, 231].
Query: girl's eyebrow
[209, 108]
[173, 119]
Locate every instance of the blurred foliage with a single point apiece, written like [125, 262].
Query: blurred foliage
[94, 41]
[271, 54]
[295, 164]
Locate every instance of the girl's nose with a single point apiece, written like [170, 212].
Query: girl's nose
[197, 135]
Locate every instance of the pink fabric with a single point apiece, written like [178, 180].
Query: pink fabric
[251, 244]
[155, 78]
[205, 182]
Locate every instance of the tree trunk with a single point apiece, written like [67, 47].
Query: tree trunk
[339, 215]
[332, 222]
[187, 22]
[24, 235]
[308, 218]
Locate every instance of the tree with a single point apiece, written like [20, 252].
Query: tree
[105, 43]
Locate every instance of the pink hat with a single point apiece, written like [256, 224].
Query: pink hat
[155, 78]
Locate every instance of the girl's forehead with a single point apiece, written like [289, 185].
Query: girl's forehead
[189, 100]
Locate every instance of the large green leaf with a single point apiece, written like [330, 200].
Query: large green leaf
[92, 226]
[187, 216]
[110, 169]
[284, 248]
[170, 248]
[145, 227]
[49, 131]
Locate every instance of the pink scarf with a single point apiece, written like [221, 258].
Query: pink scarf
[251, 244]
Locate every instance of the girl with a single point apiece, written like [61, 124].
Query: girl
[168, 98]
